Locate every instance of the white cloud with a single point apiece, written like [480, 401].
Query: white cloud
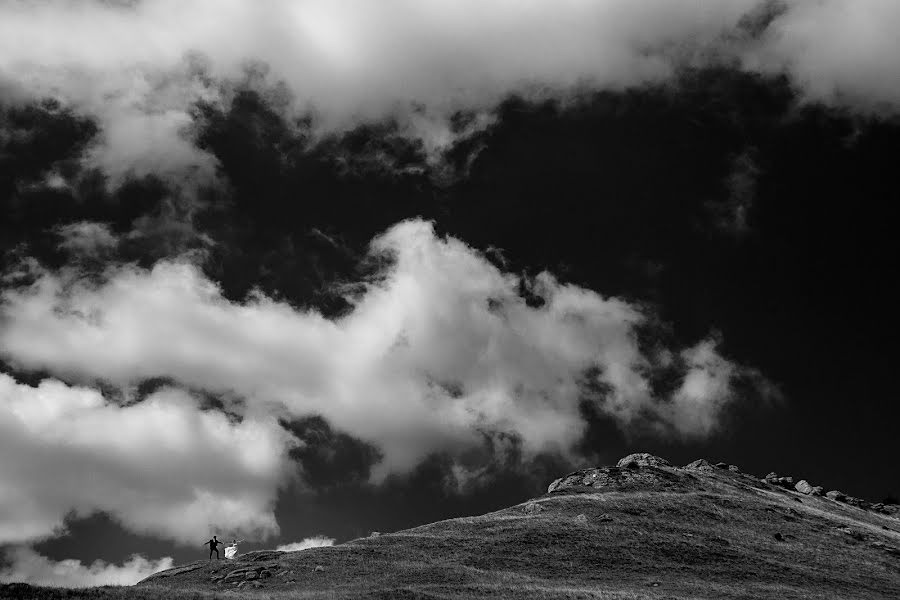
[162, 466]
[836, 51]
[138, 67]
[85, 238]
[27, 566]
[440, 351]
[318, 541]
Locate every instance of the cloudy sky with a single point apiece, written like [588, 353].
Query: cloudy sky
[294, 271]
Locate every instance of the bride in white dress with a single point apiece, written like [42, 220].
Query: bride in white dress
[231, 551]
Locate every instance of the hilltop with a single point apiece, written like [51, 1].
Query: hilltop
[640, 529]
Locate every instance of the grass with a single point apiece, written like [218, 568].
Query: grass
[705, 535]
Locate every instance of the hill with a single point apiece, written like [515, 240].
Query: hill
[641, 529]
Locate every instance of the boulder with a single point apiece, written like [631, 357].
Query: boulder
[642, 459]
[700, 464]
[734, 469]
[836, 495]
[721, 465]
[580, 519]
[803, 487]
[319, 568]
[772, 475]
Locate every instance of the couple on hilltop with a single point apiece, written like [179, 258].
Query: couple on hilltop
[230, 551]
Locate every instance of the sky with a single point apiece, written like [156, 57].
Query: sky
[293, 272]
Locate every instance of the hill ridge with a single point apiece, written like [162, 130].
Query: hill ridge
[641, 528]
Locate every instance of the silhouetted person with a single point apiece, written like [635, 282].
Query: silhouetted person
[213, 547]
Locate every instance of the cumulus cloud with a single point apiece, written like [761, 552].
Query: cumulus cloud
[318, 541]
[160, 466]
[138, 67]
[27, 566]
[439, 353]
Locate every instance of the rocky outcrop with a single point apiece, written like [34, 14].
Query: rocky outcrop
[642, 459]
[700, 465]
[254, 573]
[643, 469]
[633, 471]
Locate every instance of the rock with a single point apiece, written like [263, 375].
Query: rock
[642, 459]
[857, 502]
[261, 555]
[772, 475]
[235, 575]
[721, 465]
[836, 495]
[803, 487]
[785, 482]
[580, 519]
[251, 575]
[734, 469]
[533, 508]
[319, 568]
[779, 537]
[604, 518]
[375, 534]
[700, 464]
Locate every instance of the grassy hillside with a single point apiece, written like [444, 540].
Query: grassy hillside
[644, 532]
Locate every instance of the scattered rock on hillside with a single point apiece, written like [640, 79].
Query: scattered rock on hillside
[785, 482]
[836, 495]
[261, 555]
[700, 464]
[804, 487]
[642, 459]
[857, 502]
[533, 508]
[734, 469]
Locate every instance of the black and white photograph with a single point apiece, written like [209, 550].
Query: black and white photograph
[449, 299]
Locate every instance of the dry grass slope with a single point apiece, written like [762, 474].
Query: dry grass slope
[648, 532]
